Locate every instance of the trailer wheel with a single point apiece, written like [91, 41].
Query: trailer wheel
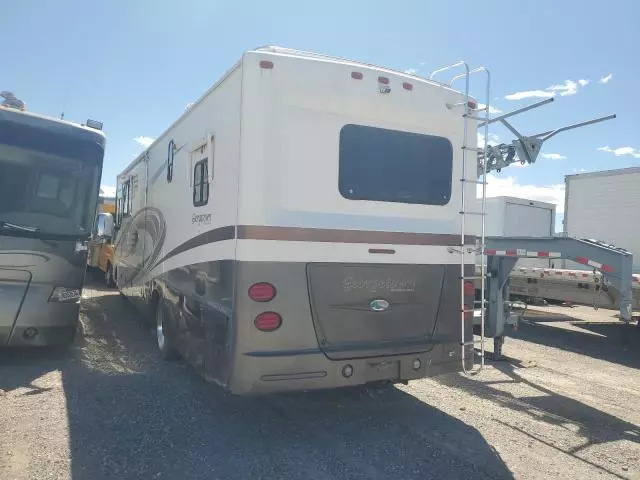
[108, 276]
[163, 335]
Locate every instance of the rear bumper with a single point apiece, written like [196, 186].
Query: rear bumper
[270, 372]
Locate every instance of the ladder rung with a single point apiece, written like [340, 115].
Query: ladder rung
[475, 117]
[472, 278]
[472, 213]
[466, 344]
[476, 182]
[473, 149]
[483, 109]
[467, 310]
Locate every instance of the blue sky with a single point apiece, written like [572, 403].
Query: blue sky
[135, 64]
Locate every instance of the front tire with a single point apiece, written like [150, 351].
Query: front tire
[108, 277]
[163, 335]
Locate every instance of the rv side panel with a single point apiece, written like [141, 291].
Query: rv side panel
[179, 246]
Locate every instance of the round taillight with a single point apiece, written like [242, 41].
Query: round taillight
[268, 321]
[262, 292]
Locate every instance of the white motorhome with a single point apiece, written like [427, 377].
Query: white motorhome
[297, 227]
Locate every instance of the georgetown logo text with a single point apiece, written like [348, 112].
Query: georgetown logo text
[201, 219]
[374, 284]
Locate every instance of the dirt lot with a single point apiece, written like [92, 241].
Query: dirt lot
[565, 404]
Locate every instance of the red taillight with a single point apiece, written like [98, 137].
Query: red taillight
[407, 86]
[262, 292]
[268, 321]
[383, 80]
[266, 64]
[469, 289]
[472, 105]
[356, 75]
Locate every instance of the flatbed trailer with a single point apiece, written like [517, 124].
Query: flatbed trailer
[502, 253]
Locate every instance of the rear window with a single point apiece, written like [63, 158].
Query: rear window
[393, 166]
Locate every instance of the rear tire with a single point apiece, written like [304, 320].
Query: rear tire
[108, 277]
[163, 335]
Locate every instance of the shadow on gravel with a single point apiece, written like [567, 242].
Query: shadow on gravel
[595, 426]
[132, 416]
[613, 341]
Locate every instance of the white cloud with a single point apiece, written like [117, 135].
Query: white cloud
[553, 156]
[620, 151]
[509, 186]
[530, 94]
[493, 139]
[411, 71]
[568, 88]
[145, 141]
[107, 191]
[492, 109]
[606, 78]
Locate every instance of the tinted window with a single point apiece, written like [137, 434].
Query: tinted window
[49, 177]
[50, 193]
[394, 166]
[200, 183]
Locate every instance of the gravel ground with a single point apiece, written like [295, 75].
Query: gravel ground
[564, 404]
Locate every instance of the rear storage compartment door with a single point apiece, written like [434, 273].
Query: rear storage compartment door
[367, 310]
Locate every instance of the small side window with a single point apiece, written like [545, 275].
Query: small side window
[124, 201]
[201, 183]
[171, 150]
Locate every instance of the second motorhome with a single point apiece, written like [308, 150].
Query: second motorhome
[296, 228]
[50, 173]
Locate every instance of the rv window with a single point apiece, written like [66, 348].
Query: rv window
[170, 153]
[124, 202]
[201, 183]
[393, 166]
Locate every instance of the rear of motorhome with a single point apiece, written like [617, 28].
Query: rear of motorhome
[299, 227]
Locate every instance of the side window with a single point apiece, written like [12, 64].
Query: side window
[201, 183]
[171, 150]
[124, 202]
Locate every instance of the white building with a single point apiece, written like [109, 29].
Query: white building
[605, 206]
